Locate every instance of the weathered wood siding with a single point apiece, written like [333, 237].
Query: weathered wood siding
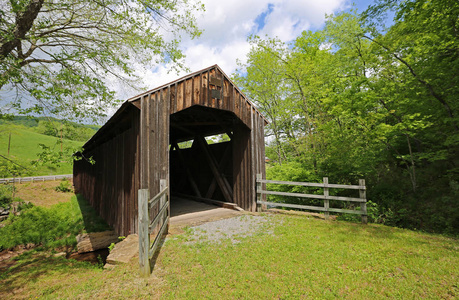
[137, 156]
[154, 140]
[111, 183]
[210, 88]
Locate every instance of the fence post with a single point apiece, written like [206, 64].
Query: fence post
[144, 235]
[162, 186]
[326, 201]
[363, 205]
[258, 194]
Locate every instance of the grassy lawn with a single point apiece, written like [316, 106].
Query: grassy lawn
[24, 148]
[42, 193]
[294, 257]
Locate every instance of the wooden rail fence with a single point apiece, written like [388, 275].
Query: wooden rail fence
[147, 225]
[34, 178]
[326, 197]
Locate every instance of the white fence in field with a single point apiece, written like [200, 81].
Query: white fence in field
[34, 178]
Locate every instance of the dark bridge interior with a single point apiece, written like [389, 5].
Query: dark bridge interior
[200, 168]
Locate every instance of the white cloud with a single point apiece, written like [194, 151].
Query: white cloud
[227, 24]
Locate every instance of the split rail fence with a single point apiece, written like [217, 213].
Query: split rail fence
[151, 218]
[326, 197]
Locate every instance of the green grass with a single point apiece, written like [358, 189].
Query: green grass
[302, 259]
[51, 227]
[307, 258]
[25, 146]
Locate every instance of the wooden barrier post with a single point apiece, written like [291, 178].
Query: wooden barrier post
[363, 205]
[162, 186]
[144, 235]
[326, 201]
[258, 194]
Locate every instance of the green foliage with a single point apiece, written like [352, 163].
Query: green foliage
[83, 45]
[6, 194]
[110, 248]
[64, 186]
[51, 227]
[360, 100]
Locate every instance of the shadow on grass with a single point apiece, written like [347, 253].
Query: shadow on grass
[91, 219]
[33, 266]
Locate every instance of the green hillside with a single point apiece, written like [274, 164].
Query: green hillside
[24, 148]
[35, 121]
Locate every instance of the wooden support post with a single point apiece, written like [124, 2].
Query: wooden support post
[227, 192]
[194, 186]
[363, 205]
[144, 235]
[223, 162]
[258, 191]
[162, 186]
[326, 201]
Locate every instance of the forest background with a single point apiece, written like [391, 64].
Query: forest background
[360, 99]
[371, 95]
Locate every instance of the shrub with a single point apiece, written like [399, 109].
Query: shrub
[51, 227]
[6, 194]
[64, 186]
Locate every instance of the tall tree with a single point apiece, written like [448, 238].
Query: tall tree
[59, 56]
[374, 101]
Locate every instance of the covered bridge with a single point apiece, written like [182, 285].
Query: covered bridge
[161, 134]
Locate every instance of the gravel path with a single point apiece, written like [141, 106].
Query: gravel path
[232, 228]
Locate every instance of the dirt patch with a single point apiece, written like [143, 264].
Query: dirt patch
[42, 193]
[300, 213]
[95, 257]
[6, 256]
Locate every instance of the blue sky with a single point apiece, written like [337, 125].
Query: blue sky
[227, 24]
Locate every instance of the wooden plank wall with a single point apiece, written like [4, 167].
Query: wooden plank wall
[138, 157]
[154, 136]
[111, 184]
[197, 90]
[209, 88]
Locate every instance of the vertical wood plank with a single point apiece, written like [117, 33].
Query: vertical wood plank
[252, 196]
[363, 205]
[179, 96]
[196, 89]
[188, 93]
[326, 201]
[144, 236]
[258, 192]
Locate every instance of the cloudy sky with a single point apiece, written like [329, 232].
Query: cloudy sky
[227, 24]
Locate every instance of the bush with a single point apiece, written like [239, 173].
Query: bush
[64, 186]
[51, 227]
[6, 194]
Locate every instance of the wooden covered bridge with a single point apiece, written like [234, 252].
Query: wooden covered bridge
[161, 134]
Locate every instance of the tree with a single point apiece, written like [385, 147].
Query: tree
[58, 57]
[365, 100]
[265, 84]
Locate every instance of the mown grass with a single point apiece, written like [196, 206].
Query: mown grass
[300, 258]
[51, 227]
[25, 146]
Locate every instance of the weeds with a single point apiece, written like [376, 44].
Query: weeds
[64, 186]
[51, 227]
